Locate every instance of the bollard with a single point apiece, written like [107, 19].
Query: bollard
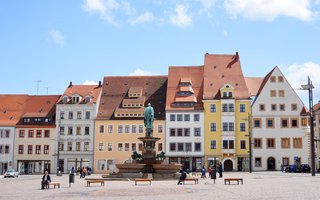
[71, 178]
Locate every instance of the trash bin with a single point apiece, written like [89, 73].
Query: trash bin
[71, 179]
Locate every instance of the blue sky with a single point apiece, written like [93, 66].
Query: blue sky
[58, 41]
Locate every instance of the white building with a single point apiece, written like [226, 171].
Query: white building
[76, 111]
[185, 118]
[280, 128]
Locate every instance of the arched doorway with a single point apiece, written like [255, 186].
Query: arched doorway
[271, 163]
[227, 166]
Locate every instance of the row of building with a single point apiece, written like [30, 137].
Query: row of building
[204, 115]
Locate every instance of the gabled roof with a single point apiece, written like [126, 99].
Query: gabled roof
[11, 108]
[222, 69]
[185, 74]
[253, 84]
[115, 89]
[82, 90]
[40, 106]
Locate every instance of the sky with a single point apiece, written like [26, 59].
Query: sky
[46, 44]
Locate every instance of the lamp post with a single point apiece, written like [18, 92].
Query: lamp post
[309, 87]
[58, 158]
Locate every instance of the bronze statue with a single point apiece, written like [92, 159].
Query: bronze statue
[148, 120]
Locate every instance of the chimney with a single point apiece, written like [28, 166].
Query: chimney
[99, 84]
[70, 85]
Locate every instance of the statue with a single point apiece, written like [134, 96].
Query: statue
[148, 120]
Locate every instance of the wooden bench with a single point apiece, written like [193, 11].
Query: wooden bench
[95, 181]
[54, 184]
[228, 180]
[142, 180]
[196, 180]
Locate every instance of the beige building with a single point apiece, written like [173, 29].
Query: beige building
[119, 121]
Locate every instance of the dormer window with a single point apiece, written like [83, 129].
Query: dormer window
[88, 99]
[75, 99]
[65, 99]
[227, 91]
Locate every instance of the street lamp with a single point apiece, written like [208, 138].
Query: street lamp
[309, 87]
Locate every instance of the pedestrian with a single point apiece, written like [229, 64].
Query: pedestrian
[46, 179]
[220, 170]
[182, 176]
[81, 171]
[209, 172]
[203, 172]
[84, 172]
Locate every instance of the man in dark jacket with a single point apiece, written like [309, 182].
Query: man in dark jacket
[182, 176]
[46, 179]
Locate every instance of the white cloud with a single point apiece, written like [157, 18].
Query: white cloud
[297, 75]
[180, 18]
[105, 8]
[140, 72]
[87, 82]
[143, 18]
[57, 37]
[269, 10]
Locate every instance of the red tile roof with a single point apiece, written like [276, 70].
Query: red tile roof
[253, 84]
[11, 109]
[222, 69]
[115, 89]
[83, 91]
[40, 106]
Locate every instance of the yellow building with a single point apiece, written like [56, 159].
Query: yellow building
[226, 102]
[119, 121]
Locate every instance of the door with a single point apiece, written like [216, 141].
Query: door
[227, 166]
[271, 162]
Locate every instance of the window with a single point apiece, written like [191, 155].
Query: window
[21, 133]
[224, 107]
[284, 123]
[140, 147]
[30, 133]
[187, 132]
[78, 130]
[86, 146]
[38, 149]
[79, 115]
[213, 144]
[61, 130]
[172, 146]
[280, 79]
[179, 117]
[179, 132]
[242, 127]
[270, 122]
[140, 128]
[294, 107]
[281, 93]
[213, 127]
[196, 117]
[172, 132]
[61, 146]
[230, 94]
[272, 79]
[120, 128]
[197, 132]
[261, 107]
[285, 143]
[273, 93]
[273, 107]
[257, 123]
[285, 161]
[188, 146]
[120, 147]
[242, 144]
[61, 114]
[75, 99]
[7, 133]
[126, 146]
[39, 133]
[160, 148]
[46, 133]
[69, 147]
[186, 117]
[231, 107]
[294, 123]
[297, 143]
[134, 147]
[282, 107]
[231, 126]
[134, 128]
[101, 128]
[213, 108]
[127, 129]
[160, 129]
[228, 144]
[197, 146]
[110, 129]
[172, 117]
[87, 130]
[257, 162]
[109, 146]
[78, 146]
[20, 149]
[29, 149]
[101, 146]
[225, 94]
[257, 142]
[242, 107]
[180, 146]
[271, 143]
[224, 126]
[1, 151]
[87, 114]
[70, 130]
[305, 121]
[6, 149]
[70, 115]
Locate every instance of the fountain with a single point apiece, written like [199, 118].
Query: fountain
[149, 166]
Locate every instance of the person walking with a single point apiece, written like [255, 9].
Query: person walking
[209, 172]
[81, 172]
[84, 172]
[220, 170]
[203, 172]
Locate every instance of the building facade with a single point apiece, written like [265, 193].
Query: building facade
[120, 118]
[280, 128]
[76, 111]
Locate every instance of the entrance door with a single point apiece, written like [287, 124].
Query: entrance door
[271, 163]
[228, 166]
